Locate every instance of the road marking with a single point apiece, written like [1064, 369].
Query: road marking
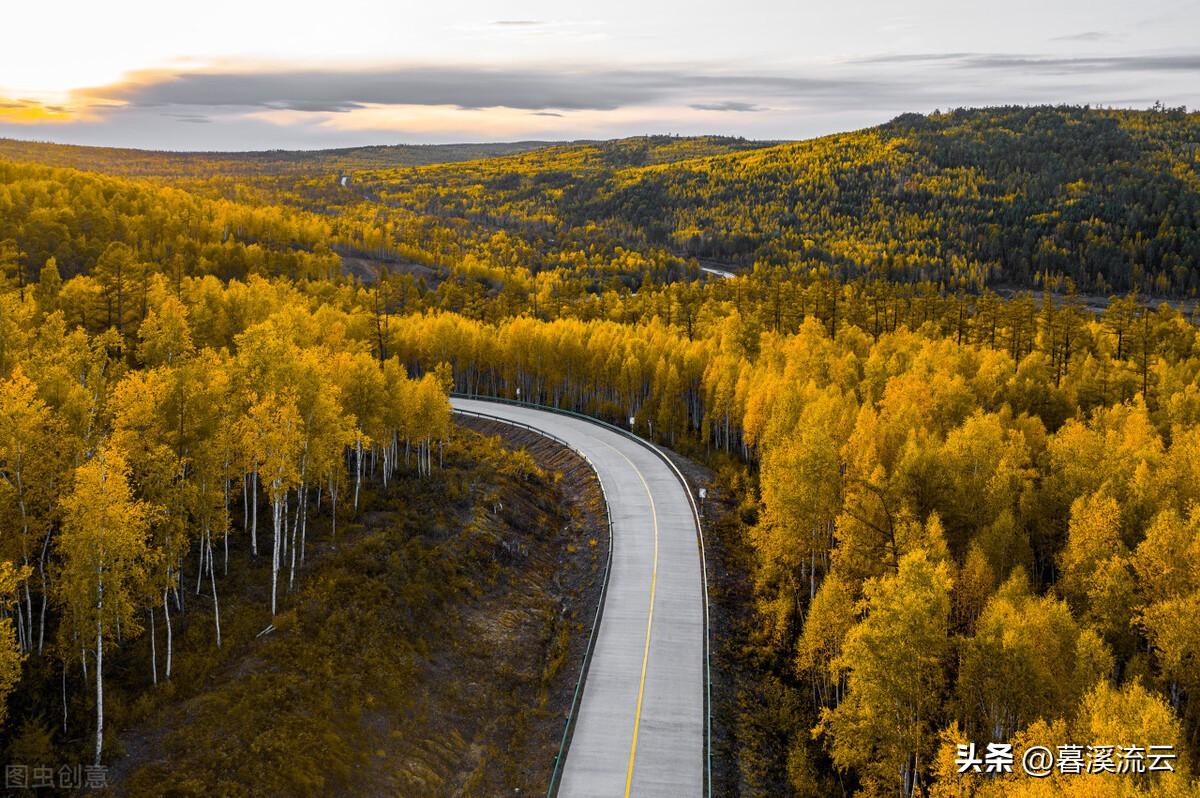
[650, 617]
[637, 717]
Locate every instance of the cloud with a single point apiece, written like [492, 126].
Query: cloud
[909, 58]
[1133, 63]
[727, 105]
[538, 100]
[194, 118]
[278, 105]
[31, 112]
[522, 23]
[528, 89]
[1086, 36]
[1050, 64]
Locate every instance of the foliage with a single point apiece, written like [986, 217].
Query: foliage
[972, 512]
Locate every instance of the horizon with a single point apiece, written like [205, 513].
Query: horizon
[577, 141]
[228, 78]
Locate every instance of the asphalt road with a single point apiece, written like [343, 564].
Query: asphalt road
[640, 729]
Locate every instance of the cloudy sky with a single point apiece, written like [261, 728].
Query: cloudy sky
[251, 74]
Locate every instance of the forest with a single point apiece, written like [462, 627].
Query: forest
[952, 391]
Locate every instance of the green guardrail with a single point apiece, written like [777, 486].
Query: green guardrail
[568, 726]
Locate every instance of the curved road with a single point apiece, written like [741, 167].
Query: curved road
[640, 728]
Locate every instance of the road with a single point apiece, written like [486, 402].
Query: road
[641, 724]
[717, 272]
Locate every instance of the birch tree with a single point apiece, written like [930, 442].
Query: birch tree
[895, 660]
[210, 457]
[362, 387]
[28, 480]
[106, 560]
[277, 437]
[325, 432]
[146, 432]
[10, 654]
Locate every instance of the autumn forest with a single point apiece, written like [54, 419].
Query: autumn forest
[943, 374]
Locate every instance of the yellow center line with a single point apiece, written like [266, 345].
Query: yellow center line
[637, 718]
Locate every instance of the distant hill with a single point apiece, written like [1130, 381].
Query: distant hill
[635, 150]
[1011, 196]
[123, 161]
[1105, 200]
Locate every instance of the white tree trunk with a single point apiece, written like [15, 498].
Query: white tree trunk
[213, 578]
[358, 472]
[254, 521]
[227, 522]
[20, 626]
[276, 513]
[200, 570]
[333, 507]
[304, 516]
[153, 651]
[45, 593]
[295, 523]
[283, 543]
[99, 676]
[167, 615]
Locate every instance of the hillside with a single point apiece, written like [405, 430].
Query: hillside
[1008, 196]
[149, 163]
[75, 217]
[430, 651]
[1001, 197]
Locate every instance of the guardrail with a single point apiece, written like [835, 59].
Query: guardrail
[569, 723]
[699, 535]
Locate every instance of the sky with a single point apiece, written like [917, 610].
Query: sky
[259, 74]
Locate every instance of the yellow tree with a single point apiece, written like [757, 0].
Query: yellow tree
[145, 430]
[46, 292]
[326, 431]
[105, 559]
[1029, 659]
[263, 352]
[801, 483]
[831, 615]
[205, 429]
[1126, 719]
[277, 437]
[1167, 564]
[361, 385]
[432, 412]
[30, 462]
[986, 467]
[116, 272]
[895, 661]
[165, 336]
[1132, 715]
[22, 417]
[12, 261]
[1096, 578]
[10, 654]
